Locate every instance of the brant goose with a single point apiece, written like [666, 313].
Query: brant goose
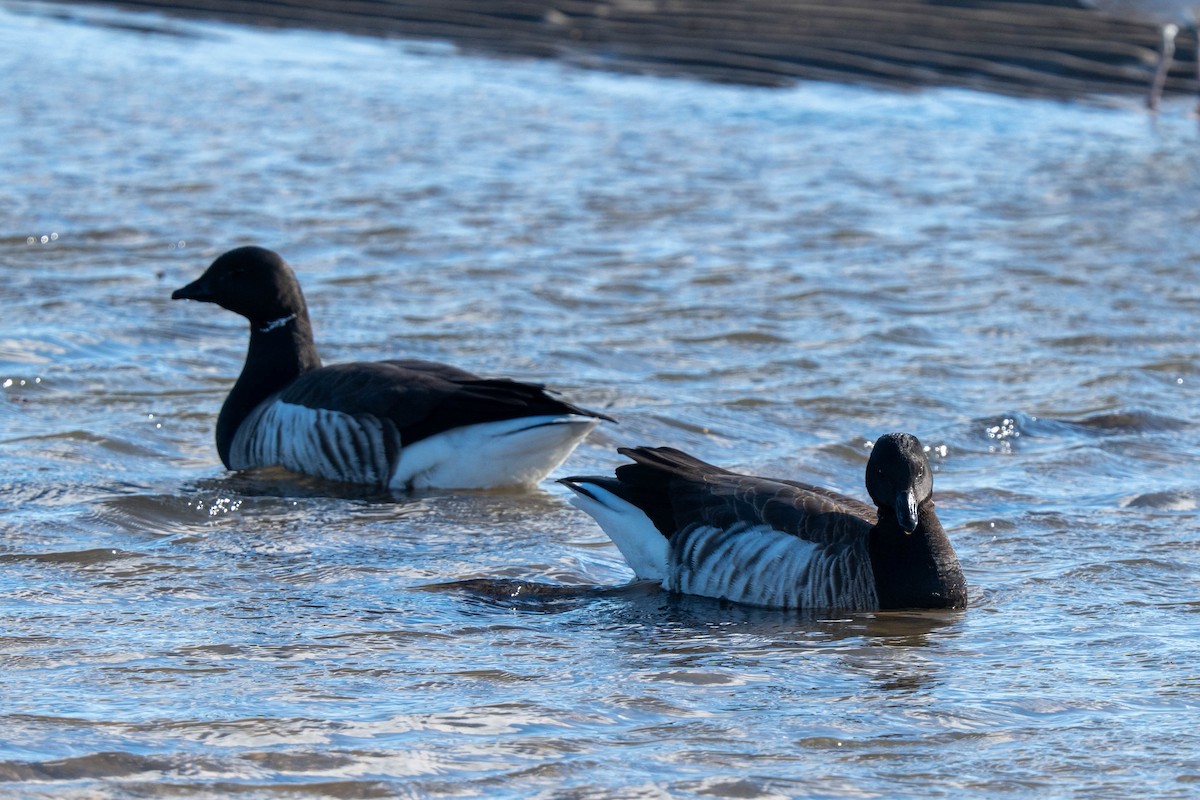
[702, 530]
[402, 424]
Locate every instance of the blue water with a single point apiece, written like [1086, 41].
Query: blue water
[766, 278]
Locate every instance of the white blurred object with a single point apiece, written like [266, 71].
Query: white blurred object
[1165, 13]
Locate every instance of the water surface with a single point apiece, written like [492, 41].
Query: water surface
[766, 278]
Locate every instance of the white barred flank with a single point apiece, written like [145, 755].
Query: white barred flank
[343, 447]
[315, 441]
[761, 566]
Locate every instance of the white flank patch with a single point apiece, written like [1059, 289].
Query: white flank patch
[641, 544]
[515, 452]
[760, 566]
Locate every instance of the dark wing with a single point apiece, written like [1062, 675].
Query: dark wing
[422, 398]
[678, 491]
[431, 368]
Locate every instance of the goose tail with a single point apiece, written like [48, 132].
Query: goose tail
[642, 545]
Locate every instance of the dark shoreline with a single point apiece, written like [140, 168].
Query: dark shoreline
[1049, 49]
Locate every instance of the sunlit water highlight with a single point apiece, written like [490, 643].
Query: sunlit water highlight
[769, 279]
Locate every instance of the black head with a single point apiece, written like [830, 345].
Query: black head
[899, 479]
[251, 281]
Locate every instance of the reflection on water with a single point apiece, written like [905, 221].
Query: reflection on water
[769, 279]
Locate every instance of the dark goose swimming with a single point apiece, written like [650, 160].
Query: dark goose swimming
[401, 424]
[702, 530]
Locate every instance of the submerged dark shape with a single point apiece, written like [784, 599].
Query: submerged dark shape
[700, 529]
[401, 423]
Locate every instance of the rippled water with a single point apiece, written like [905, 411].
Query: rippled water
[766, 278]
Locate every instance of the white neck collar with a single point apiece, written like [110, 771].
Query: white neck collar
[276, 323]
